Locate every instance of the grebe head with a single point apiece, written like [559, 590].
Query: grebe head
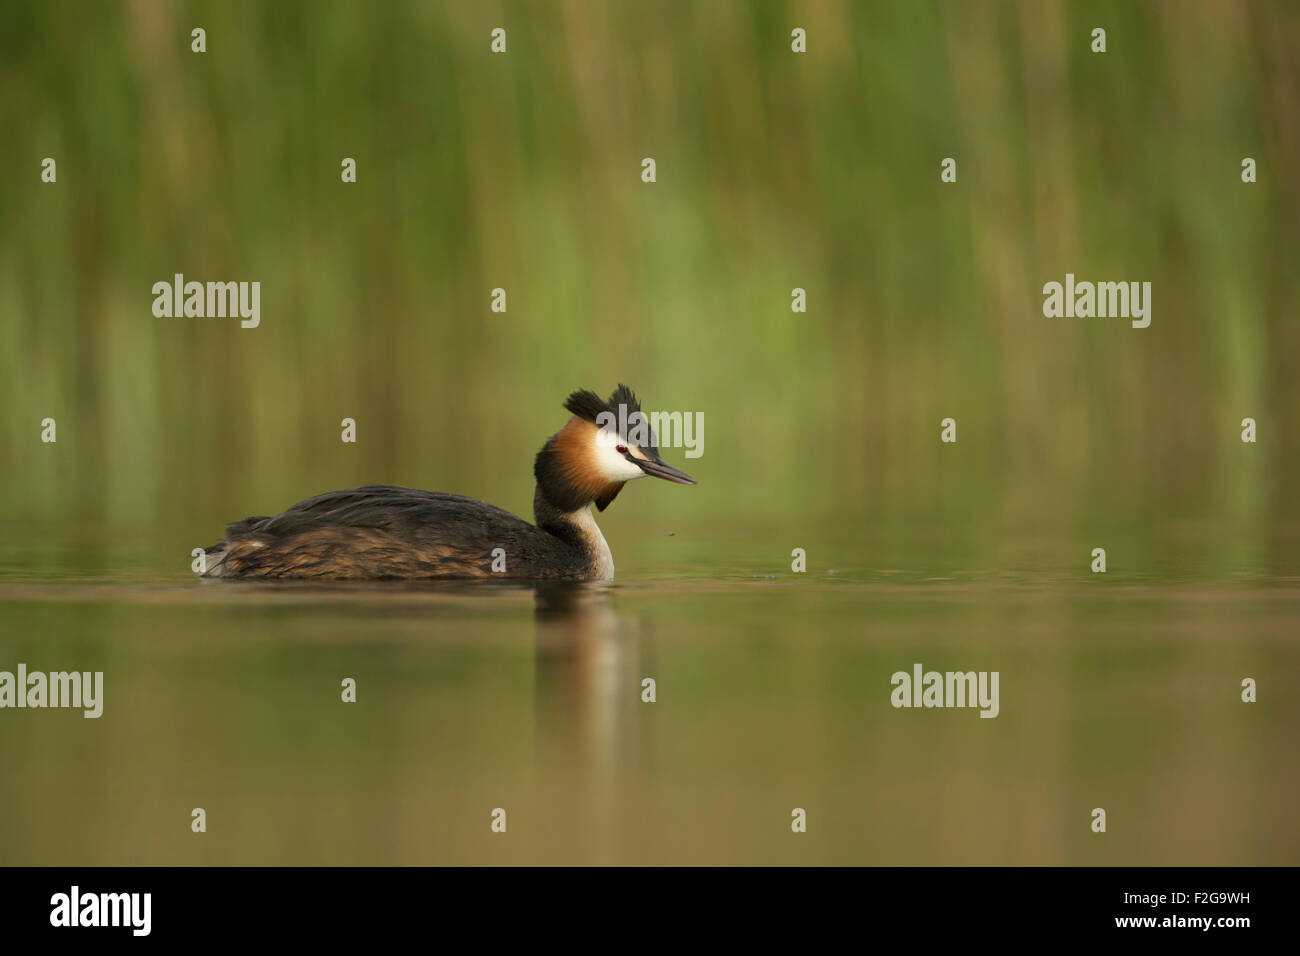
[606, 444]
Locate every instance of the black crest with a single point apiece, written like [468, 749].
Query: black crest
[638, 423]
[624, 396]
[588, 405]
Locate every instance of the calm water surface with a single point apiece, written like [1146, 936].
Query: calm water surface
[773, 692]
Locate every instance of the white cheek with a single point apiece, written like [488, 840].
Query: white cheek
[615, 467]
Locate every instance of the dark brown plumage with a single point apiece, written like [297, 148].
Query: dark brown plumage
[384, 531]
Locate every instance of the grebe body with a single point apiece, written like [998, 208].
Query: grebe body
[383, 531]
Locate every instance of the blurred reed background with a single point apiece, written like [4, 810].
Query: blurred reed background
[775, 170]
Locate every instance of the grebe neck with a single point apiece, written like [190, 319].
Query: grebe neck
[578, 528]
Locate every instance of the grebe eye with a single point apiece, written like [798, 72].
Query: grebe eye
[621, 449]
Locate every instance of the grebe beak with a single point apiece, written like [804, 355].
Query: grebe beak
[658, 468]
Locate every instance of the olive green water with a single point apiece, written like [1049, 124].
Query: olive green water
[1119, 691]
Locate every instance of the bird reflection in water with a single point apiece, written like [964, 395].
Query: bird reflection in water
[587, 686]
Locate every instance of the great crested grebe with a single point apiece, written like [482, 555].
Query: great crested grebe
[382, 531]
